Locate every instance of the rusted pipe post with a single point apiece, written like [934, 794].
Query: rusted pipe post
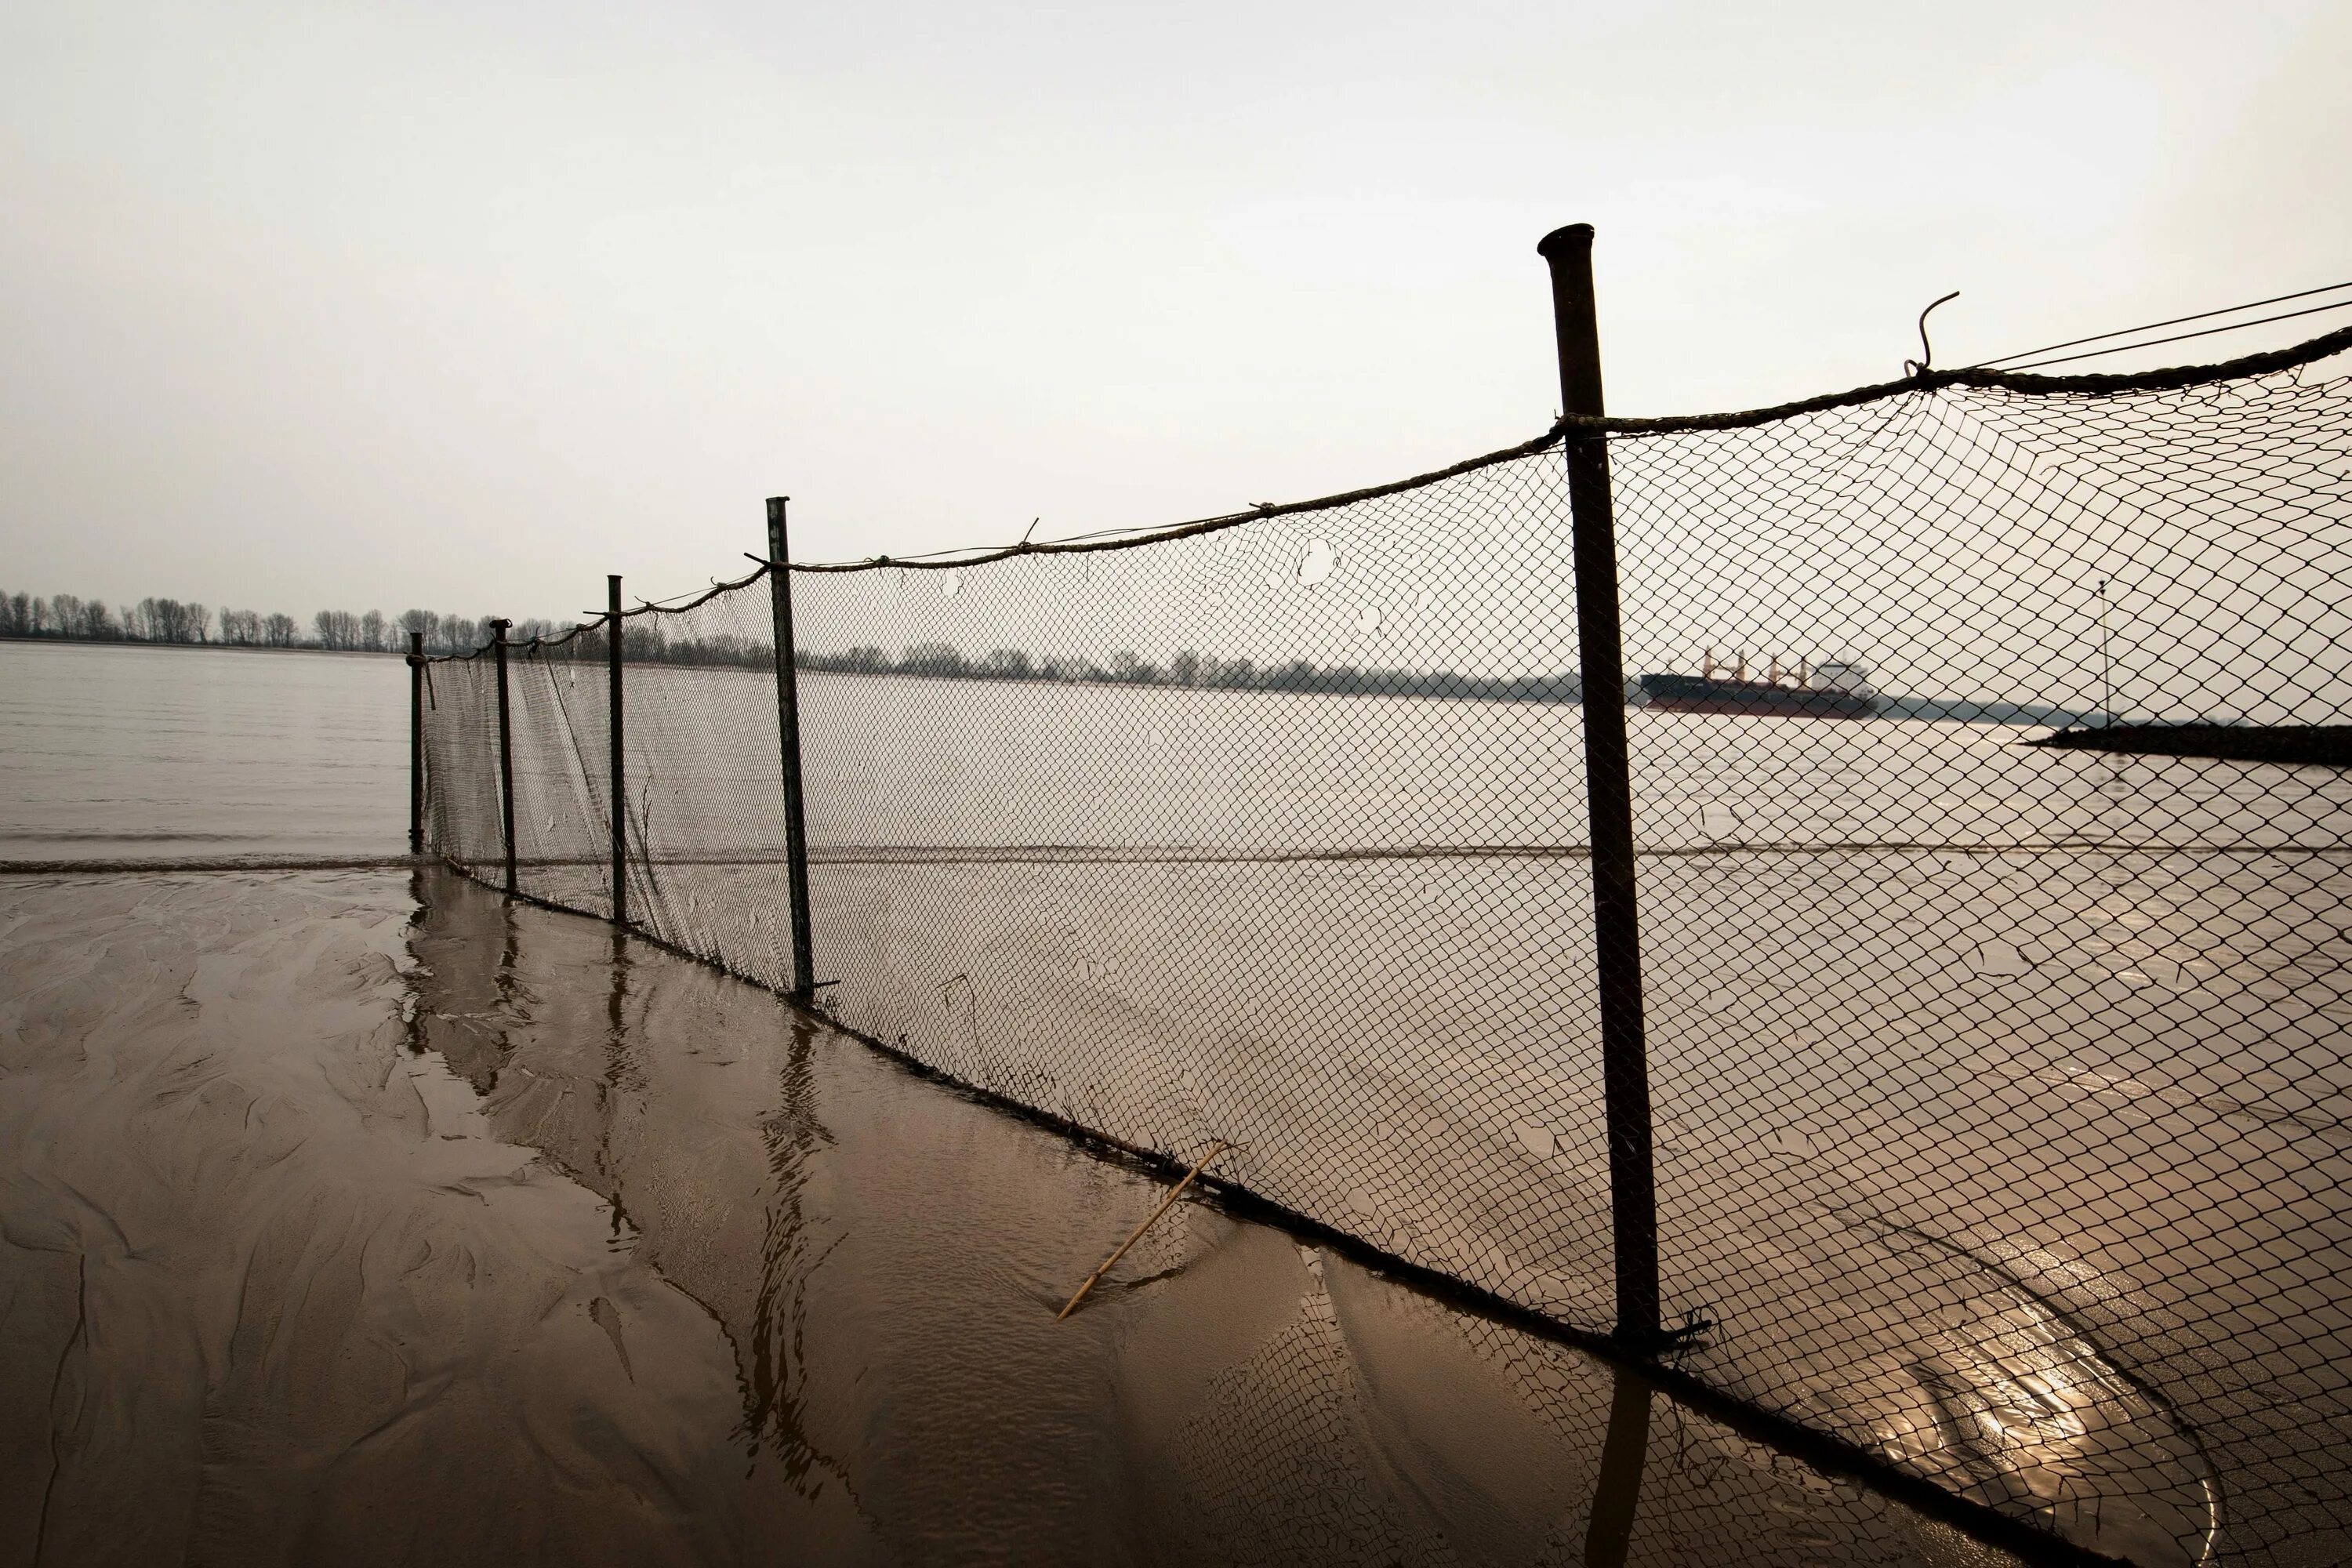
[615, 728]
[506, 755]
[788, 742]
[1609, 794]
[416, 743]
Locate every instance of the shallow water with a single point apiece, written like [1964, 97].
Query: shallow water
[2000, 1093]
[360, 1218]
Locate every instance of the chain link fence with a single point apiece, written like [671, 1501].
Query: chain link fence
[1990, 825]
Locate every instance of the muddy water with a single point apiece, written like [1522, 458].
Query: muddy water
[1913, 1314]
[117, 752]
[354, 1218]
[2000, 1094]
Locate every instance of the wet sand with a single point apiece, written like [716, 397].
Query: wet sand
[362, 1217]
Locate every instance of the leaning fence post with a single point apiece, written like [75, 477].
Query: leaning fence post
[1609, 792]
[416, 743]
[788, 738]
[620, 784]
[505, 756]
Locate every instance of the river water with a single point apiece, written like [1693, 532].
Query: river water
[120, 751]
[355, 1215]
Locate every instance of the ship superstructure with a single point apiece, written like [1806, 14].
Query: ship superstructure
[1834, 688]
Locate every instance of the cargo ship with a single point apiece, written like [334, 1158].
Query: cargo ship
[1835, 689]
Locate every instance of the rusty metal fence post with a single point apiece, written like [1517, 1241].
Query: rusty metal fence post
[788, 738]
[505, 756]
[620, 781]
[416, 743]
[1609, 792]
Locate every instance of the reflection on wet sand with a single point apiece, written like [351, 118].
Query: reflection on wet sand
[1617, 1498]
[353, 1220]
[1266, 1402]
[273, 1291]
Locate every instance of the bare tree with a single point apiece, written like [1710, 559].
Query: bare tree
[277, 630]
[372, 629]
[169, 620]
[338, 629]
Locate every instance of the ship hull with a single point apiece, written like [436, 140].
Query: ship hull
[1696, 694]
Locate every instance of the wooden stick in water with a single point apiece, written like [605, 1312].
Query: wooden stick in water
[1174, 1193]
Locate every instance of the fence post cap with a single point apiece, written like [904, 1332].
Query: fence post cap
[1574, 236]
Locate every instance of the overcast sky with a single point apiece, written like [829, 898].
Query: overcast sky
[466, 305]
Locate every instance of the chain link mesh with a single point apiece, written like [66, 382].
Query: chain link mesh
[2000, 1087]
[559, 714]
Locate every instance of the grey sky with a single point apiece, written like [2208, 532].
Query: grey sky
[466, 305]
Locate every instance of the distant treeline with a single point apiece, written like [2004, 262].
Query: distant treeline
[72, 618]
[1198, 670]
[651, 639]
[647, 640]
[1191, 668]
